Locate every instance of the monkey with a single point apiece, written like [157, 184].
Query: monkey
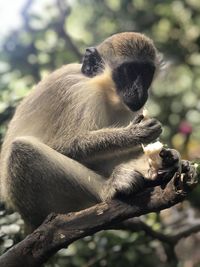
[75, 140]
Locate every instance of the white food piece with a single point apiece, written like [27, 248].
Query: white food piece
[152, 151]
[196, 165]
[145, 113]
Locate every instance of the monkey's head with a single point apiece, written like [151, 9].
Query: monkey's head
[132, 58]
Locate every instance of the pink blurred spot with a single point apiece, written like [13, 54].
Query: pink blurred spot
[185, 128]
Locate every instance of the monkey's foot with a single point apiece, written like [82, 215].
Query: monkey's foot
[187, 180]
[188, 177]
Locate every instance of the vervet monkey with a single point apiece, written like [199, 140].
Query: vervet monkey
[75, 140]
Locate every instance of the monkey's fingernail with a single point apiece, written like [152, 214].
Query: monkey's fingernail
[141, 118]
[163, 152]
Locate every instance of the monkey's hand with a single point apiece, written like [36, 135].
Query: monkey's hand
[145, 131]
[171, 164]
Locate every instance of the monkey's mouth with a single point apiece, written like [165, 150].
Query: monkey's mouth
[136, 100]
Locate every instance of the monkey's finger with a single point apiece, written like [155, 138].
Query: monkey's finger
[169, 157]
[138, 119]
[151, 123]
[164, 152]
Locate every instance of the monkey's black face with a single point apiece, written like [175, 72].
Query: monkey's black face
[133, 80]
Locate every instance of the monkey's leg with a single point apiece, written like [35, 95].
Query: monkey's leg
[43, 181]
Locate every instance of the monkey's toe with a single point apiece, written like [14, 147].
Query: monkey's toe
[185, 166]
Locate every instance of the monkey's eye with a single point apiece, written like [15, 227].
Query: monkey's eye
[92, 62]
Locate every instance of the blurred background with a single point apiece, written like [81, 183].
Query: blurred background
[38, 36]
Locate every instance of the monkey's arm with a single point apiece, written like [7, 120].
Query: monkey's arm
[111, 140]
[135, 175]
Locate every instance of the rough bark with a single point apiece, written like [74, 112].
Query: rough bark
[60, 230]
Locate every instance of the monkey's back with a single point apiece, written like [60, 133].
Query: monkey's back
[62, 106]
[54, 108]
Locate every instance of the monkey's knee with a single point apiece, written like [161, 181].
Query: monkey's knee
[22, 155]
[23, 143]
[21, 159]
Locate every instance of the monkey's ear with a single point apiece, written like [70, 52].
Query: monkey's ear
[92, 62]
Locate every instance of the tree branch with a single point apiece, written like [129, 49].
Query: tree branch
[64, 10]
[60, 230]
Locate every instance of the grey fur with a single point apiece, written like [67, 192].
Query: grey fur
[72, 142]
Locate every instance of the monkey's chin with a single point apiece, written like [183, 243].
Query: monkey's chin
[135, 107]
[135, 103]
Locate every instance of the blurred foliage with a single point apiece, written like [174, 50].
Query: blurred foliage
[112, 248]
[56, 33]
